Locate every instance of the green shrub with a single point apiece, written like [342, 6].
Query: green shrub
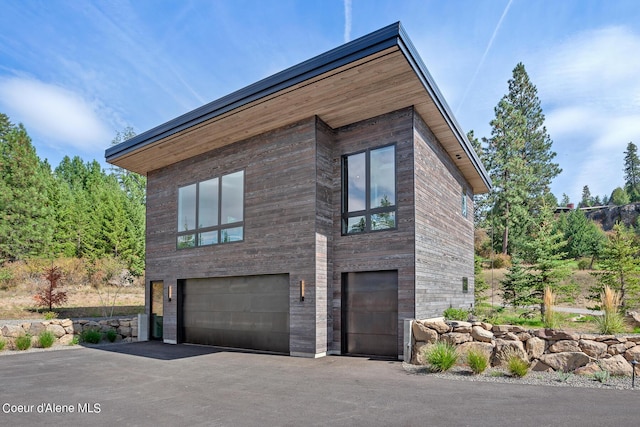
[456, 314]
[91, 336]
[3, 343]
[46, 339]
[611, 322]
[75, 340]
[517, 366]
[441, 356]
[563, 377]
[602, 376]
[478, 361]
[501, 261]
[584, 263]
[112, 335]
[49, 315]
[23, 342]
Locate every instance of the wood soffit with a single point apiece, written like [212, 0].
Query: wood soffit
[378, 83]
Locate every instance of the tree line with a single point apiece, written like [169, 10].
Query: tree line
[76, 209]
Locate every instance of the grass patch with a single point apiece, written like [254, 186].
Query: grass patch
[456, 314]
[23, 342]
[611, 322]
[601, 376]
[75, 340]
[112, 335]
[3, 343]
[46, 339]
[441, 356]
[91, 336]
[517, 366]
[478, 361]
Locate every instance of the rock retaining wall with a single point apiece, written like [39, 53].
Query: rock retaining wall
[545, 349]
[65, 329]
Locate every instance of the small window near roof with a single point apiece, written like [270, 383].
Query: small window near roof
[464, 204]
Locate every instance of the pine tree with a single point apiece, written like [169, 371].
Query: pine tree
[516, 283]
[25, 213]
[619, 267]
[586, 197]
[619, 197]
[632, 172]
[520, 160]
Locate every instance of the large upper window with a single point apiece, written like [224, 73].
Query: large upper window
[211, 212]
[369, 190]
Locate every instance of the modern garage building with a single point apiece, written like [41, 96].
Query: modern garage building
[313, 211]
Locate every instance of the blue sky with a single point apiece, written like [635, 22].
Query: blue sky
[75, 72]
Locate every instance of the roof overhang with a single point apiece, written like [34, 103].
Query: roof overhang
[375, 74]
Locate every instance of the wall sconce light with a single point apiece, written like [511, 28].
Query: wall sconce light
[170, 292]
[301, 290]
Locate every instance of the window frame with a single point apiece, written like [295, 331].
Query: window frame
[367, 212]
[220, 227]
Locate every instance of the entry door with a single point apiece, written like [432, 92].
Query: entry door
[157, 308]
[370, 313]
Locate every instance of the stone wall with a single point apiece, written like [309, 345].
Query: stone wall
[545, 349]
[65, 329]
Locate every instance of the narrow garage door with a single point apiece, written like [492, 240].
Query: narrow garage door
[249, 312]
[370, 313]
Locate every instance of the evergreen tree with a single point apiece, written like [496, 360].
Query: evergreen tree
[586, 197]
[619, 197]
[520, 160]
[516, 284]
[632, 172]
[584, 238]
[565, 200]
[620, 267]
[25, 213]
[544, 252]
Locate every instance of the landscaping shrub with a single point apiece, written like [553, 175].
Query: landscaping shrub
[75, 340]
[517, 366]
[501, 261]
[49, 315]
[584, 264]
[46, 339]
[112, 335]
[611, 322]
[91, 336]
[601, 376]
[23, 342]
[478, 361]
[3, 343]
[441, 356]
[456, 314]
[549, 319]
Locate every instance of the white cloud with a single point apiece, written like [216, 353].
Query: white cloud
[58, 113]
[591, 90]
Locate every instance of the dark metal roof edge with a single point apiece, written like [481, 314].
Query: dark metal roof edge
[357, 49]
[423, 73]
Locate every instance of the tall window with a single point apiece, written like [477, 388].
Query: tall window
[464, 204]
[211, 212]
[369, 190]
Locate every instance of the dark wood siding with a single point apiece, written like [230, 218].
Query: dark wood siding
[382, 250]
[444, 238]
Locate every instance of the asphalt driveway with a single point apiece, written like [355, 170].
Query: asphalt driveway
[155, 384]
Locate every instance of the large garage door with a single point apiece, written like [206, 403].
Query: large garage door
[249, 312]
[370, 313]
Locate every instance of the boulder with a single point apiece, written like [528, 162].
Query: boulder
[523, 336]
[516, 329]
[481, 334]
[535, 347]
[616, 365]
[632, 354]
[483, 347]
[487, 326]
[77, 328]
[566, 362]
[37, 327]
[56, 330]
[66, 323]
[12, 331]
[422, 333]
[417, 356]
[504, 349]
[437, 325]
[588, 369]
[462, 329]
[556, 335]
[616, 349]
[564, 346]
[595, 349]
[125, 331]
[91, 326]
[539, 366]
[633, 318]
[455, 338]
[65, 339]
[500, 328]
[510, 336]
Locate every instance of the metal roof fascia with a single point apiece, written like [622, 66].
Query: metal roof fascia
[423, 74]
[342, 55]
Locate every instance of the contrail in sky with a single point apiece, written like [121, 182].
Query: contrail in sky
[347, 20]
[484, 55]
